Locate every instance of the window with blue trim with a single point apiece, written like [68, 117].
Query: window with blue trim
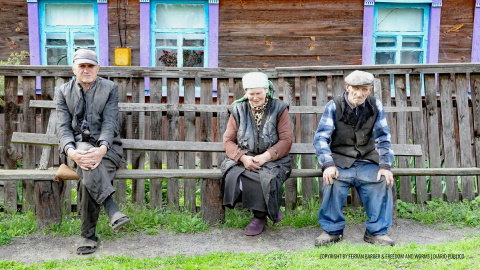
[400, 33]
[66, 26]
[179, 33]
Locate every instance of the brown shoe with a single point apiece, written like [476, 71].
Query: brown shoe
[326, 239]
[381, 239]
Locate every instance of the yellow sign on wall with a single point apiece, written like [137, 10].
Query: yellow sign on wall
[123, 56]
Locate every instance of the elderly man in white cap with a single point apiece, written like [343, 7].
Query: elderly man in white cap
[257, 142]
[87, 127]
[352, 143]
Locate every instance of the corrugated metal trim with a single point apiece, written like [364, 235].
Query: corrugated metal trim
[31, 1]
[102, 1]
[213, 1]
[369, 3]
[436, 4]
[144, 1]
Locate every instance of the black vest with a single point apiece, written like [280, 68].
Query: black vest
[352, 138]
[248, 137]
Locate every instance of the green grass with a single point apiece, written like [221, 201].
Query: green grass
[150, 221]
[339, 256]
[466, 213]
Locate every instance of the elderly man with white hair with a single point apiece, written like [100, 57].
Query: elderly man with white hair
[352, 143]
[257, 142]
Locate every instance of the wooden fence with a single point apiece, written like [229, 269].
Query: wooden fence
[447, 127]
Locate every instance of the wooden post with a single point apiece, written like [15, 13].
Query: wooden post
[288, 85]
[173, 194]
[307, 133]
[28, 153]
[190, 186]
[156, 134]
[321, 99]
[121, 184]
[48, 193]
[10, 154]
[475, 86]
[212, 193]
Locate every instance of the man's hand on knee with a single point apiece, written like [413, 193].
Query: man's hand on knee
[96, 155]
[329, 174]
[388, 176]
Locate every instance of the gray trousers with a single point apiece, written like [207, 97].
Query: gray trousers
[94, 189]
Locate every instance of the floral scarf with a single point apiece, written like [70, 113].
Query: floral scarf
[258, 112]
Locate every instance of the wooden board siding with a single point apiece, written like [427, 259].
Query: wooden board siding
[13, 27]
[456, 44]
[268, 33]
[286, 33]
[133, 30]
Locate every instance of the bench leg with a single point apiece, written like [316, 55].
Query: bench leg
[47, 203]
[212, 201]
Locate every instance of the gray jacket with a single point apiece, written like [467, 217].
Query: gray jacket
[102, 116]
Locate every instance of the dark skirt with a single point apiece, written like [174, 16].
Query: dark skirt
[261, 189]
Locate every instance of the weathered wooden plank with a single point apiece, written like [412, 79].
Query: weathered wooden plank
[10, 153]
[135, 156]
[306, 135]
[138, 157]
[433, 133]
[66, 187]
[218, 108]
[159, 145]
[418, 135]
[120, 195]
[48, 193]
[449, 143]
[28, 153]
[189, 157]
[385, 95]
[338, 86]
[322, 99]
[156, 134]
[172, 135]
[223, 91]
[463, 113]
[47, 175]
[211, 190]
[288, 88]
[280, 71]
[475, 90]
[403, 162]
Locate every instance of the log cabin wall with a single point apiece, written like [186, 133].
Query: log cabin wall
[13, 27]
[456, 30]
[290, 33]
[268, 33]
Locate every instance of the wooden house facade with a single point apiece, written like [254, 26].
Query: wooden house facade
[244, 33]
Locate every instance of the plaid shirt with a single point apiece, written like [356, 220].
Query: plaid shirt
[326, 126]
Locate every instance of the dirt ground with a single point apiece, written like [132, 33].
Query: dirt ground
[39, 247]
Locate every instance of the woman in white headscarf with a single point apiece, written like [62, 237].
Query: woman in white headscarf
[257, 142]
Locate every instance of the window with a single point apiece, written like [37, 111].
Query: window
[397, 40]
[65, 28]
[179, 43]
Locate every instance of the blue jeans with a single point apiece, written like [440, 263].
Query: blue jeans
[375, 195]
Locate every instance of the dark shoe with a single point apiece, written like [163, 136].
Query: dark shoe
[326, 239]
[255, 227]
[118, 219]
[87, 246]
[279, 216]
[380, 239]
